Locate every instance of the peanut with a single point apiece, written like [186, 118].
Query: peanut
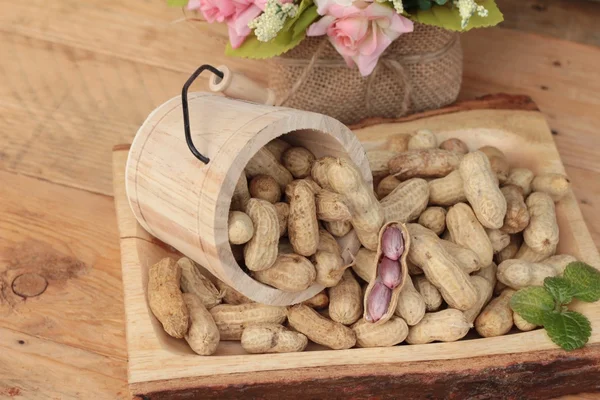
[387, 186]
[203, 334]
[232, 320]
[485, 290]
[381, 296]
[407, 201]
[525, 253]
[378, 161]
[398, 143]
[240, 227]
[289, 189]
[283, 213]
[498, 162]
[489, 273]
[320, 329]
[510, 251]
[232, 296]
[423, 139]
[388, 334]
[241, 195]
[447, 191]
[328, 243]
[481, 189]
[431, 296]
[431, 163]
[455, 145]
[434, 218]
[264, 187]
[411, 305]
[521, 177]
[521, 324]
[345, 300]
[413, 270]
[298, 161]
[559, 262]
[332, 207]
[467, 259]
[277, 147]
[496, 319]
[319, 171]
[367, 213]
[272, 338]
[365, 264]
[318, 301]
[466, 231]
[440, 268]
[338, 228]
[303, 227]
[445, 326]
[192, 281]
[261, 251]
[498, 239]
[378, 300]
[555, 185]
[265, 163]
[518, 274]
[542, 233]
[517, 214]
[165, 298]
[329, 266]
[290, 273]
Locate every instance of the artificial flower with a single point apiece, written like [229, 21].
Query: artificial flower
[360, 32]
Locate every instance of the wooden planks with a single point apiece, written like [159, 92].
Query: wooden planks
[574, 20]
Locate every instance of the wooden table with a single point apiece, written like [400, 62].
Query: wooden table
[78, 77]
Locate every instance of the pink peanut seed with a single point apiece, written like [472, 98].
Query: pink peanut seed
[378, 301]
[389, 272]
[392, 243]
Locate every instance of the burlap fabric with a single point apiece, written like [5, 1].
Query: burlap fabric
[421, 70]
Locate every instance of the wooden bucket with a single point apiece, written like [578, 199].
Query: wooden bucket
[185, 203]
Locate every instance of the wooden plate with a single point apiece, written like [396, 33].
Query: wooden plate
[521, 364]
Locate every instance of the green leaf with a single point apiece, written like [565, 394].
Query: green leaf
[560, 289]
[305, 20]
[177, 3]
[448, 17]
[585, 281]
[289, 37]
[570, 330]
[534, 304]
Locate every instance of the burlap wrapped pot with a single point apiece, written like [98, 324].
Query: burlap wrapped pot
[421, 70]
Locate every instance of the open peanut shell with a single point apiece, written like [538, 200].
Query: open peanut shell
[376, 278]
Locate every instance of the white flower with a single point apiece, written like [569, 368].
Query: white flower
[467, 8]
[267, 25]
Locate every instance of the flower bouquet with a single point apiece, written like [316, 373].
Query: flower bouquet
[353, 59]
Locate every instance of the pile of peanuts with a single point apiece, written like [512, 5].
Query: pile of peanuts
[447, 237]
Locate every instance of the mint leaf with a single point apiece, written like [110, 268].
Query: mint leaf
[177, 3]
[570, 330]
[560, 289]
[585, 281]
[534, 304]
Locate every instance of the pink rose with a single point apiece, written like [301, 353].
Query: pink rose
[213, 10]
[360, 32]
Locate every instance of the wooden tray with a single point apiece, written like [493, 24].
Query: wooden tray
[521, 364]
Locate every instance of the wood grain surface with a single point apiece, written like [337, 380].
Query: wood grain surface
[78, 77]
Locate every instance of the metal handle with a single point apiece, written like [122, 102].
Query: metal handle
[186, 111]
